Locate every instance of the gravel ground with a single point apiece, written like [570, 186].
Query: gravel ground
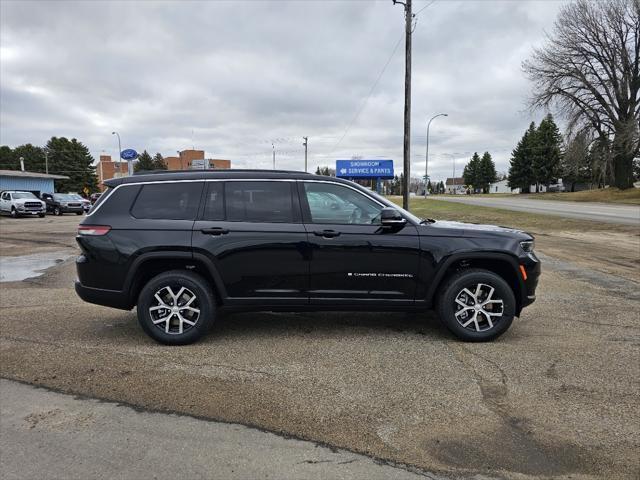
[556, 396]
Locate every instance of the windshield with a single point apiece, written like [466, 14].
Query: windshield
[17, 195]
[64, 196]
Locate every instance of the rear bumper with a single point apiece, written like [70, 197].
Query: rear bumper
[108, 298]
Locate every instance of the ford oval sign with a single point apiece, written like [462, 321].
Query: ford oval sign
[129, 154]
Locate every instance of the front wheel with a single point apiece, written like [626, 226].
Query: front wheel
[476, 305]
[176, 307]
[14, 213]
[57, 211]
[41, 215]
[79, 213]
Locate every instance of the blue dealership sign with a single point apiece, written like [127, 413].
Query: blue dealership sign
[364, 168]
[129, 154]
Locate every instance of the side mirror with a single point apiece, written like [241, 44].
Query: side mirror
[391, 218]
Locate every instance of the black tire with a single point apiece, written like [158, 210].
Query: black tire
[57, 211]
[14, 212]
[490, 324]
[41, 215]
[79, 213]
[175, 280]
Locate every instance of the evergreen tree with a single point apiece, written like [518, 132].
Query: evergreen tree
[520, 169]
[486, 172]
[548, 152]
[34, 160]
[144, 163]
[71, 158]
[471, 173]
[159, 162]
[7, 160]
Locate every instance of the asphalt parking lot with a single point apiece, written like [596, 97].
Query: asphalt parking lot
[556, 396]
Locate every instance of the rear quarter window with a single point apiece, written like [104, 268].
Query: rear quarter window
[168, 201]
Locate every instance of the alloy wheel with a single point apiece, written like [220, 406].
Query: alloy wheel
[175, 309]
[477, 308]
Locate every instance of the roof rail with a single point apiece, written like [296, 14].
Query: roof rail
[196, 170]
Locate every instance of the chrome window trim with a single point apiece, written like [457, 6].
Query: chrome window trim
[207, 180]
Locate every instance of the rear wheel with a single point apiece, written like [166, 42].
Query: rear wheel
[57, 211]
[476, 305]
[176, 307]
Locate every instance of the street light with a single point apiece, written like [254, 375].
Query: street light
[119, 151]
[426, 162]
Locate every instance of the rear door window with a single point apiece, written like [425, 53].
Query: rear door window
[214, 201]
[168, 201]
[269, 202]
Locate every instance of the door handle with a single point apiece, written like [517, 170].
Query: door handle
[326, 233]
[215, 231]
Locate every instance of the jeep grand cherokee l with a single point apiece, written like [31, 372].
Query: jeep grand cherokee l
[182, 246]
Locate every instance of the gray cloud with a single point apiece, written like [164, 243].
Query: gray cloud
[230, 77]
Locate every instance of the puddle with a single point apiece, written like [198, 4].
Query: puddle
[16, 269]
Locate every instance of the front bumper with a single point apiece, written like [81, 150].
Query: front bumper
[533, 270]
[71, 209]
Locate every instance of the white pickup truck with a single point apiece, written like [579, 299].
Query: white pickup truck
[18, 204]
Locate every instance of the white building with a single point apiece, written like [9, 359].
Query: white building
[500, 187]
[455, 186]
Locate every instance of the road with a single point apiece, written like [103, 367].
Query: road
[599, 212]
[51, 435]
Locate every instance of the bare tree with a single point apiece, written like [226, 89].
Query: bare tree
[589, 71]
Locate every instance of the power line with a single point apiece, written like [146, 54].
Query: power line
[373, 87]
[427, 5]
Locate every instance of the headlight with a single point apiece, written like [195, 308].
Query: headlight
[20, 207]
[527, 246]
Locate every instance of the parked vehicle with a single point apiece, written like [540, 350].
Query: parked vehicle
[18, 204]
[60, 203]
[182, 246]
[94, 197]
[86, 204]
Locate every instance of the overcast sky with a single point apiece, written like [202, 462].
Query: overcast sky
[231, 77]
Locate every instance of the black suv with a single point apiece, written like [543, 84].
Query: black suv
[183, 245]
[60, 203]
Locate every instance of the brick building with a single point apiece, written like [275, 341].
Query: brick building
[194, 159]
[107, 169]
[187, 160]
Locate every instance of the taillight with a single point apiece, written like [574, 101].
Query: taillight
[94, 230]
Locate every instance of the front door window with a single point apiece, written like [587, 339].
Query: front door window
[340, 205]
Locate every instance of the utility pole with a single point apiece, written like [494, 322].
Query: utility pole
[46, 161]
[408, 17]
[274, 155]
[306, 141]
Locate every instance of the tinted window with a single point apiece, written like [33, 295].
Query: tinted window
[259, 201]
[332, 203]
[214, 202]
[170, 201]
